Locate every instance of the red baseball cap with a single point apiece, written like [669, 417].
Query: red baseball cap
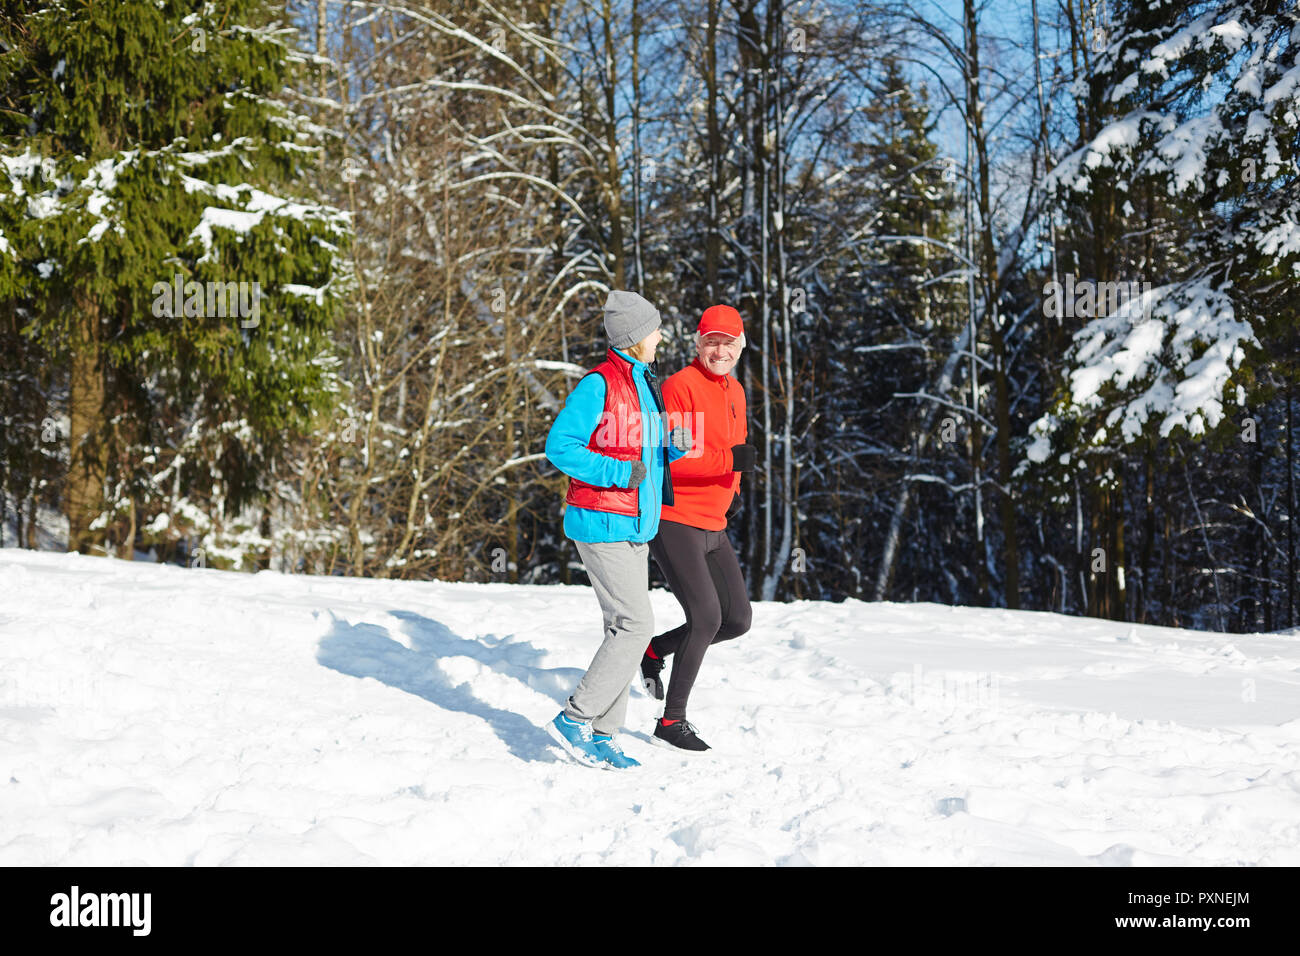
[721, 318]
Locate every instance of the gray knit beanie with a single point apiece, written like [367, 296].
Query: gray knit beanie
[628, 318]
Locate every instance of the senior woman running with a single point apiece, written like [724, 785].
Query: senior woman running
[609, 439]
[692, 547]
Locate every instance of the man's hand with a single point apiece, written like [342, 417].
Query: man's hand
[743, 457]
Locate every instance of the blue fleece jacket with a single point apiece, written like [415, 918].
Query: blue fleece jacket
[566, 447]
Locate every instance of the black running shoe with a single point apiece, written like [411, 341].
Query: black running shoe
[650, 668]
[679, 734]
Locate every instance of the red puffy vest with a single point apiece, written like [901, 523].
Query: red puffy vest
[617, 434]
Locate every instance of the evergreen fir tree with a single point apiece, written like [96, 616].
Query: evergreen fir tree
[153, 244]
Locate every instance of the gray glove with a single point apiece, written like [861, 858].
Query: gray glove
[638, 474]
[680, 438]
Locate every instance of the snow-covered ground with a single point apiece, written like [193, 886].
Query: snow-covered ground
[169, 716]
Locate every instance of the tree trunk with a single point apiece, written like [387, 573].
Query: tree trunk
[713, 235]
[1290, 501]
[774, 212]
[322, 47]
[1119, 574]
[1266, 543]
[128, 546]
[87, 460]
[989, 279]
[1148, 533]
[637, 171]
[749, 286]
[613, 176]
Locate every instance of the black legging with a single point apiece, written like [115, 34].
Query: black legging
[703, 572]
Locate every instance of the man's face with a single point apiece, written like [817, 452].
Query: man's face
[719, 352]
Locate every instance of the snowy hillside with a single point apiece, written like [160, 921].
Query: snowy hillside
[162, 715]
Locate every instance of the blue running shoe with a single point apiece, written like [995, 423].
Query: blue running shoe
[612, 753]
[576, 738]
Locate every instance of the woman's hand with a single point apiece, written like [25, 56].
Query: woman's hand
[638, 474]
[681, 439]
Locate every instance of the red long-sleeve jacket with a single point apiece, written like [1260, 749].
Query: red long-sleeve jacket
[712, 408]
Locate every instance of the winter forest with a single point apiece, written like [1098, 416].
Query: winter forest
[302, 285]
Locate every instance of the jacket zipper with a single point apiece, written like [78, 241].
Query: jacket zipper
[636, 525]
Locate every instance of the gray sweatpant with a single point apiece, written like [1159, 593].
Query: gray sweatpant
[620, 573]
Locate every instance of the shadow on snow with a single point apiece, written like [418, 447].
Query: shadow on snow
[369, 650]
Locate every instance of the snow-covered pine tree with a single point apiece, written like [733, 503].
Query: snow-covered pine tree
[1208, 98]
[1188, 187]
[154, 245]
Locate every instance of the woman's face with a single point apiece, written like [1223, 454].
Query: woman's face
[645, 349]
[719, 353]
